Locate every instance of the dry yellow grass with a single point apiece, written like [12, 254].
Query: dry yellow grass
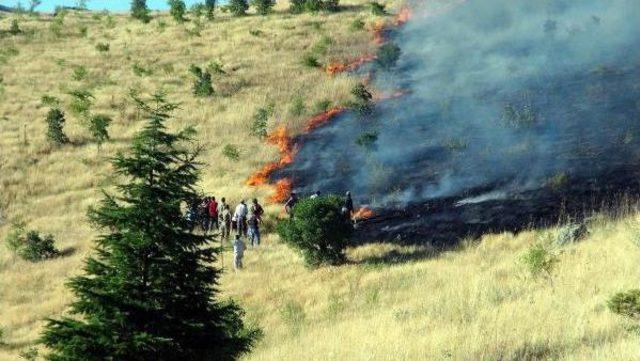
[474, 303]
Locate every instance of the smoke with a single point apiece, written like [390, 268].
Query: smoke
[502, 97]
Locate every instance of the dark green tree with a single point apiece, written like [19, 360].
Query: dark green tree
[318, 230]
[296, 6]
[177, 10]
[263, 7]
[140, 11]
[388, 55]
[238, 7]
[98, 125]
[55, 125]
[202, 85]
[210, 5]
[149, 292]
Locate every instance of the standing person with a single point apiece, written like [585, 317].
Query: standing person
[203, 214]
[238, 252]
[192, 214]
[256, 209]
[291, 202]
[240, 216]
[225, 224]
[348, 209]
[221, 206]
[254, 230]
[212, 208]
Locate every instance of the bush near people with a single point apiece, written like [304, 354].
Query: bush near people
[318, 230]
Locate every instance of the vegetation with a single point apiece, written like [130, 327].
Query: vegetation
[363, 100]
[140, 11]
[103, 47]
[14, 29]
[388, 55]
[377, 8]
[202, 86]
[310, 60]
[318, 230]
[367, 140]
[260, 119]
[210, 6]
[231, 152]
[626, 304]
[29, 245]
[148, 264]
[263, 7]
[178, 9]
[98, 125]
[539, 260]
[55, 122]
[238, 7]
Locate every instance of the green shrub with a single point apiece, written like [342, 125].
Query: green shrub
[79, 73]
[50, 101]
[81, 102]
[313, 5]
[198, 9]
[296, 6]
[55, 123]
[388, 55]
[539, 260]
[626, 304]
[30, 354]
[14, 28]
[255, 32]
[231, 152]
[259, 123]
[367, 139]
[377, 8]
[298, 106]
[357, 25]
[322, 106]
[141, 71]
[331, 5]
[310, 60]
[238, 7]
[202, 86]
[216, 67]
[361, 93]
[263, 7]
[322, 46]
[29, 245]
[98, 125]
[103, 47]
[318, 230]
[140, 11]
[177, 10]
[83, 30]
[210, 6]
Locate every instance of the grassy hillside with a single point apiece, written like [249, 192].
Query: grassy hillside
[388, 304]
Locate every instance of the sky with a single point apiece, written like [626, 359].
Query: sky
[112, 5]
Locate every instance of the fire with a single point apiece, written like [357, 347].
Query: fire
[403, 16]
[283, 189]
[337, 68]
[363, 213]
[283, 141]
[322, 118]
[387, 96]
[378, 32]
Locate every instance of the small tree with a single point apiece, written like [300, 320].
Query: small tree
[210, 6]
[539, 260]
[178, 9]
[388, 55]
[55, 123]
[29, 245]
[378, 9]
[14, 28]
[363, 103]
[238, 7]
[263, 7]
[626, 304]
[149, 292]
[259, 123]
[98, 125]
[313, 5]
[140, 11]
[318, 230]
[296, 6]
[202, 85]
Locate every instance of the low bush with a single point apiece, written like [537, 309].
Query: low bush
[97, 126]
[231, 152]
[377, 8]
[141, 71]
[103, 47]
[357, 25]
[55, 124]
[202, 86]
[367, 139]
[29, 245]
[318, 230]
[310, 60]
[177, 10]
[79, 73]
[14, 28]
[388, 55]
[263, 7]
[539, 260]
[259, 123]
[81, 102]
[238, 7]
[626, 304]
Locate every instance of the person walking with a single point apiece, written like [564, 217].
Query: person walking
[240, 216]
[225, 224]
[254, 231]
[238, 252]
[256, 209]
[291, 202]
[212, 208]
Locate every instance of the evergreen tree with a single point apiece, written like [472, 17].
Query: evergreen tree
[98, 125]
[55, 123]
[238, 7]
[140, 11]
[263, 7]
[202, 85]
[149, 291]
[177, 10]
[210, 5]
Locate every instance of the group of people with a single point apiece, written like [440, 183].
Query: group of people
[245, 222]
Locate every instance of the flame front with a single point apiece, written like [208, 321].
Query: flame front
[363, 213]
[322, 118]
[283, 189]
[337, 68]
[283, 141]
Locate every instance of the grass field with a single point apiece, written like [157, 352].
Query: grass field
[473, 303]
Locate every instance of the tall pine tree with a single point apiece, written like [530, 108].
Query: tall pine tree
[149, 291]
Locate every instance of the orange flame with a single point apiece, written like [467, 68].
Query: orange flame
[337, 68]
[283, 189]
[322, 118]
[403, 16]
[363, 213]
[387, 96]
[378, 32]
[283, 141]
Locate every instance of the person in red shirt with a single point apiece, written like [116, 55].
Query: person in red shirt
[213, 213]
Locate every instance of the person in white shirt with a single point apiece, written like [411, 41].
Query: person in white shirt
[240, 216]
[238, 252]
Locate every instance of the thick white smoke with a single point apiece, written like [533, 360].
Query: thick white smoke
[502, 96]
